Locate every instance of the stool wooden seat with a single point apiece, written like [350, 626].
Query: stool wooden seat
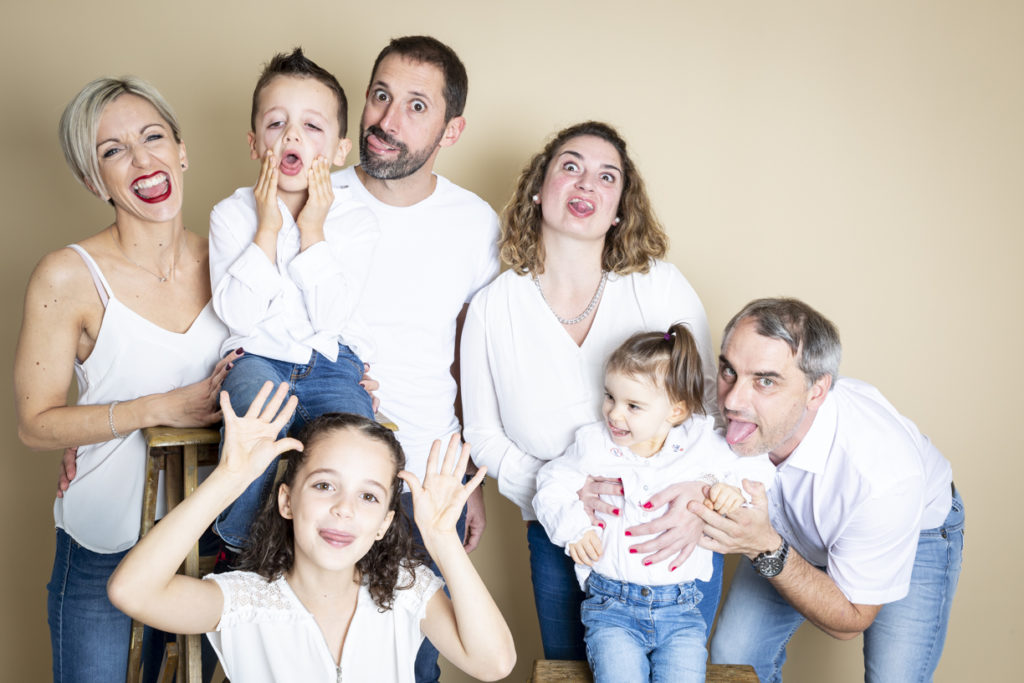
[178, 453]
[558, 671]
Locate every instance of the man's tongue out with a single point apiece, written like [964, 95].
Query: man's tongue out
[737, 431]
[291, 164]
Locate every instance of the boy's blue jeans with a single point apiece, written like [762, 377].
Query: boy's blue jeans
[322, 387]
[902, 645]
[640, 633]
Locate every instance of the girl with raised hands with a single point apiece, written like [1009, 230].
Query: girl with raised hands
[329, 590]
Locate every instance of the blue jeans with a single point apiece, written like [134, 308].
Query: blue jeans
[89, 636]
[640, 633]
[557, 596]
[903, 644]
[426, 668]
[322, 387]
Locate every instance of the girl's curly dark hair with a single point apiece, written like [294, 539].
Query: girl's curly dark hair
[629, 247]
[271, 551]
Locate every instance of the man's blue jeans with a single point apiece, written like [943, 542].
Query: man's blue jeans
[641, 633]
[903, 644]
[557, 596]
[322, 387]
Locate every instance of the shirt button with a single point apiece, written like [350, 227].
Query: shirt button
[645, 592]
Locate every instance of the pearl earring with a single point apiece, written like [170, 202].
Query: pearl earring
[536, 199]
[616, 221]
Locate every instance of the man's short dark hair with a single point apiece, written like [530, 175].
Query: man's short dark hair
[428, 50]
[297, 64]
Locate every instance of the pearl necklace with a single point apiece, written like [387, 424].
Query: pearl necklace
[586, 312]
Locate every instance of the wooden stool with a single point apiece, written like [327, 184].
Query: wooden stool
[556, 671]
[178, 453]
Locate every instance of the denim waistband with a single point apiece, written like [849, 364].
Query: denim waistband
[646, 595]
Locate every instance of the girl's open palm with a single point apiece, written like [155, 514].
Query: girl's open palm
[438, 502]
[250, 440]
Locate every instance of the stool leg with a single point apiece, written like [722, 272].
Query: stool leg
[169, 665]
[193, 655]
[173, 486]
[154, 463]
[182, 656]
[135, 653]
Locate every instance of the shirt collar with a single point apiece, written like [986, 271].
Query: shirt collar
[812, 451]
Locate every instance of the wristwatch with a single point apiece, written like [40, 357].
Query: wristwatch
[770, 564]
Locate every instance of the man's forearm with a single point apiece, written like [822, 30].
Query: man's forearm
[815, 595]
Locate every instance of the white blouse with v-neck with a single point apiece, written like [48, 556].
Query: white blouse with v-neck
[132, 357]
[527, 387]
[267, 635]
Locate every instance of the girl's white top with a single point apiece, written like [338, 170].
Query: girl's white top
[527, 387]
[265, 633]
[693, 451]
[132, 357]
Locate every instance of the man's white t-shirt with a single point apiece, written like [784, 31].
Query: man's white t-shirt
[431, 259]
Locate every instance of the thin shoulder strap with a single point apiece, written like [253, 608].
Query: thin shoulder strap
[102, 287]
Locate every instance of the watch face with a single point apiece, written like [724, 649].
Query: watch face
[769, 566]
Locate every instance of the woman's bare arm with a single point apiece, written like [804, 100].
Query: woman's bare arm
[61, 318]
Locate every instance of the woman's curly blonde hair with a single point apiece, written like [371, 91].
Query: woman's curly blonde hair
[629, 247]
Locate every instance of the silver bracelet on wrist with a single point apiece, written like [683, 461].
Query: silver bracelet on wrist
[110, 421]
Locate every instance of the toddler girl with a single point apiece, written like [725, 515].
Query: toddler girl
[641, 618]
[328, 590]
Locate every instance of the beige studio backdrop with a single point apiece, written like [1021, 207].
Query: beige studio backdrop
[865, 156]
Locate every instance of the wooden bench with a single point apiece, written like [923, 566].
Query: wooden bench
[556, 671]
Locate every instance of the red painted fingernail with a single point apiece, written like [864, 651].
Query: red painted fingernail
[239, 351]
[647, 505]
[615, 512]
[647, 563]
[601, 524]
[230, 365]
[632, 550]
[619, 480]
[671, 569]
[629, 533]
[622, 491]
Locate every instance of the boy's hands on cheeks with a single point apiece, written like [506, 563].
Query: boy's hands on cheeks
[438, 502]
[268, 213]
[250, 440]
[587, 550]
[318, 203]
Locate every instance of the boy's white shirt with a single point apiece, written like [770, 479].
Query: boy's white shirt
[693, 451]
[305, 301]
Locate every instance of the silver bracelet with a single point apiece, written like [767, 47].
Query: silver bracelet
[110, 421]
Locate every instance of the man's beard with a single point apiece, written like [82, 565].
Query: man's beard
[402, 166]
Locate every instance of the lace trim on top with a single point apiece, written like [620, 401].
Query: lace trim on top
[425, 584]
[247, 594]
